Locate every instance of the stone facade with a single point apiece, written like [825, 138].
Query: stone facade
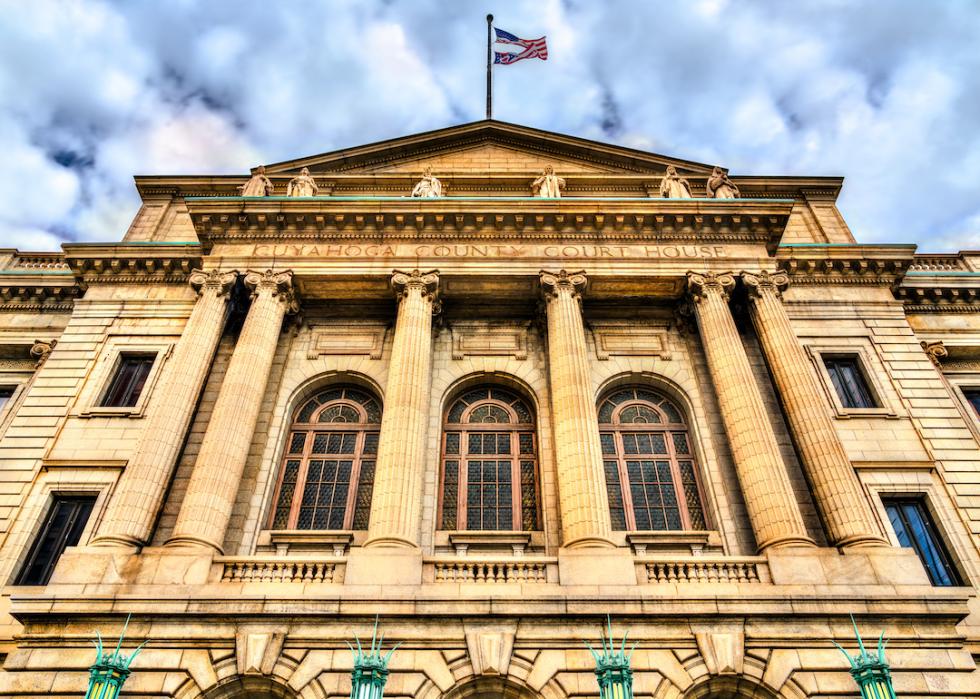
[721, 319]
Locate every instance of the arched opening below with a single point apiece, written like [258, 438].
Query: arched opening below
[250, 688]
[730, 687]
[490, 688]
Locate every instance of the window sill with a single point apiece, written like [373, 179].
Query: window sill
[134, 412]
[847, 413]
[291, 539]
[694, 542]
[516, 541]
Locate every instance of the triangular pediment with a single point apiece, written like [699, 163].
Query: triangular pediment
[487, 147]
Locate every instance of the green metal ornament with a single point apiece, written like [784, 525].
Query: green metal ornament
[870, 671]
[370, 673]
[612, 667]
[110, 670]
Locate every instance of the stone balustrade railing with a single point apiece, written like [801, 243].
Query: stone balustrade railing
[503, 570]
[53, 261]
[696, 569]
[235, 569]
[939, 263]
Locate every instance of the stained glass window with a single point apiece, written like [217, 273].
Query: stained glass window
[651, 475]
[327, 476]
[489, 465]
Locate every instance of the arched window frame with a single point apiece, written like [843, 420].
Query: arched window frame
[623, 450]
[454, 502]
[308, 445]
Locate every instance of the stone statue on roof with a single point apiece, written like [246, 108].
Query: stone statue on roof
[303, 185]
[719, 186]
[673, 186]
[258, 185]
[548, 185]
[428, 187]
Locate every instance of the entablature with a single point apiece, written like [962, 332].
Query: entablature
[382, 218]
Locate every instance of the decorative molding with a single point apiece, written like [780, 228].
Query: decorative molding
[859, 269]
[476, 338]
[41, 350]
[936, 351]
[629, 340]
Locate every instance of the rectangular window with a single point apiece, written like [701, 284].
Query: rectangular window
[6, 393]
[845, 374]
[973, 397]
[128, 381]
[62, 527]
[914, 528]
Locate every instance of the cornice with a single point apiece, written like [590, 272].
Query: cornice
[36, 282]
[133, 263]
[831, 264]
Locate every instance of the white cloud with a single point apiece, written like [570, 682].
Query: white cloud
[887, 94]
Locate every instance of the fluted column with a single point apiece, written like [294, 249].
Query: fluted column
[396, 505]
[138, 497]
[213, 488]
[581, 483]
[839, 496]
[768, 493]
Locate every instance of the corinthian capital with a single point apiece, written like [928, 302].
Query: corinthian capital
[758, 282]
[213, 279]
[574, 283]
[700, 284]
[278, 284]
[427, 282]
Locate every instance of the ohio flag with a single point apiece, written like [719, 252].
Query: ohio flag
[530, 48]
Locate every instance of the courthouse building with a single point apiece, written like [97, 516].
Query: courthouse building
[491, 384]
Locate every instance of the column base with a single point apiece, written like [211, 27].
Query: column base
[392, 542]
[862, 541]
[193, 542]
[786, 542]
[120, 542]
[590, 542]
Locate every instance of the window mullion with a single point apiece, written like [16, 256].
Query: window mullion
[355, 478]
[675, 471]
[304, 467]
[462, 480]
[516, 488]
[624, 483]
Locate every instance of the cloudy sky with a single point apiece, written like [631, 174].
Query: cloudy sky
[884, 92]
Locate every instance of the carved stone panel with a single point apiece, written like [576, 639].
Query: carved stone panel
[487, 339]
[348, 339]
[626, 340]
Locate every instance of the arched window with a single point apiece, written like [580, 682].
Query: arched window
[651, 476]
[327, 472]
[489, 463]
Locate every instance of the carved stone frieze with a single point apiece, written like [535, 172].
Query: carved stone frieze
[348, 339]
[629, 340]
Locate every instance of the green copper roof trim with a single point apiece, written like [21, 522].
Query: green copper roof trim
[29, 272]
[847, 245]
[927, 273]
[427, 199]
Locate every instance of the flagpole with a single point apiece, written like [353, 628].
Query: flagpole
[489, 68]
